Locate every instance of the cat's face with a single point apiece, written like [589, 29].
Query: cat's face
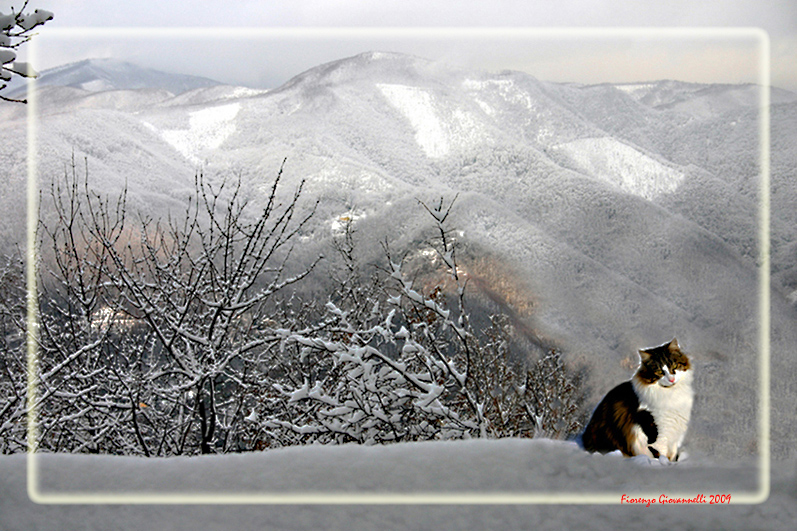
[665, 365]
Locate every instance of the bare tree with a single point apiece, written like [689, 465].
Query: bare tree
[153, 331]
[77, 400]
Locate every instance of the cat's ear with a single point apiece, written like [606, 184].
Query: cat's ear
[673, 346]
[644, 355]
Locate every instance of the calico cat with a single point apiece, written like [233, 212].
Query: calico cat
[649, 414]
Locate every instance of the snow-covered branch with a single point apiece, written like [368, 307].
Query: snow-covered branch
[396, 363]
[15, 30]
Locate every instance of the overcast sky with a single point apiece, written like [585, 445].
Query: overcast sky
[569, 40]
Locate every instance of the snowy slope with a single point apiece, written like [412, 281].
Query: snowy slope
[207, 129]
[465, 470]
[619, 164]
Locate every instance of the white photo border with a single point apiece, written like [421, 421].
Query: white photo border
[425, 498]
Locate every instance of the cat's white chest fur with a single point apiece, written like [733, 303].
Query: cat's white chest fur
[671, 408]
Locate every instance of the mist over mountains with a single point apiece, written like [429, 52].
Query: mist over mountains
[605, 218]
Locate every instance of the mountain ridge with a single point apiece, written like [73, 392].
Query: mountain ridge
[98, 75]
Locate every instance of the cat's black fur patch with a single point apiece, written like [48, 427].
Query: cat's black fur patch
[645, 420]
[612, 423]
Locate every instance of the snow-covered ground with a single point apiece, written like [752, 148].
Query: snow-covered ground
[442, 483]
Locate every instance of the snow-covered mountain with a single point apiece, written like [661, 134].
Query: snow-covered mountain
[622, 215]
[701, 99]
[97, 75]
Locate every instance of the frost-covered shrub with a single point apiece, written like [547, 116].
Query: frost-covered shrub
[375, 379]
[393, 363]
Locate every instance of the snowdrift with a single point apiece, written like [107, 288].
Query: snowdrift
[426, 474]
